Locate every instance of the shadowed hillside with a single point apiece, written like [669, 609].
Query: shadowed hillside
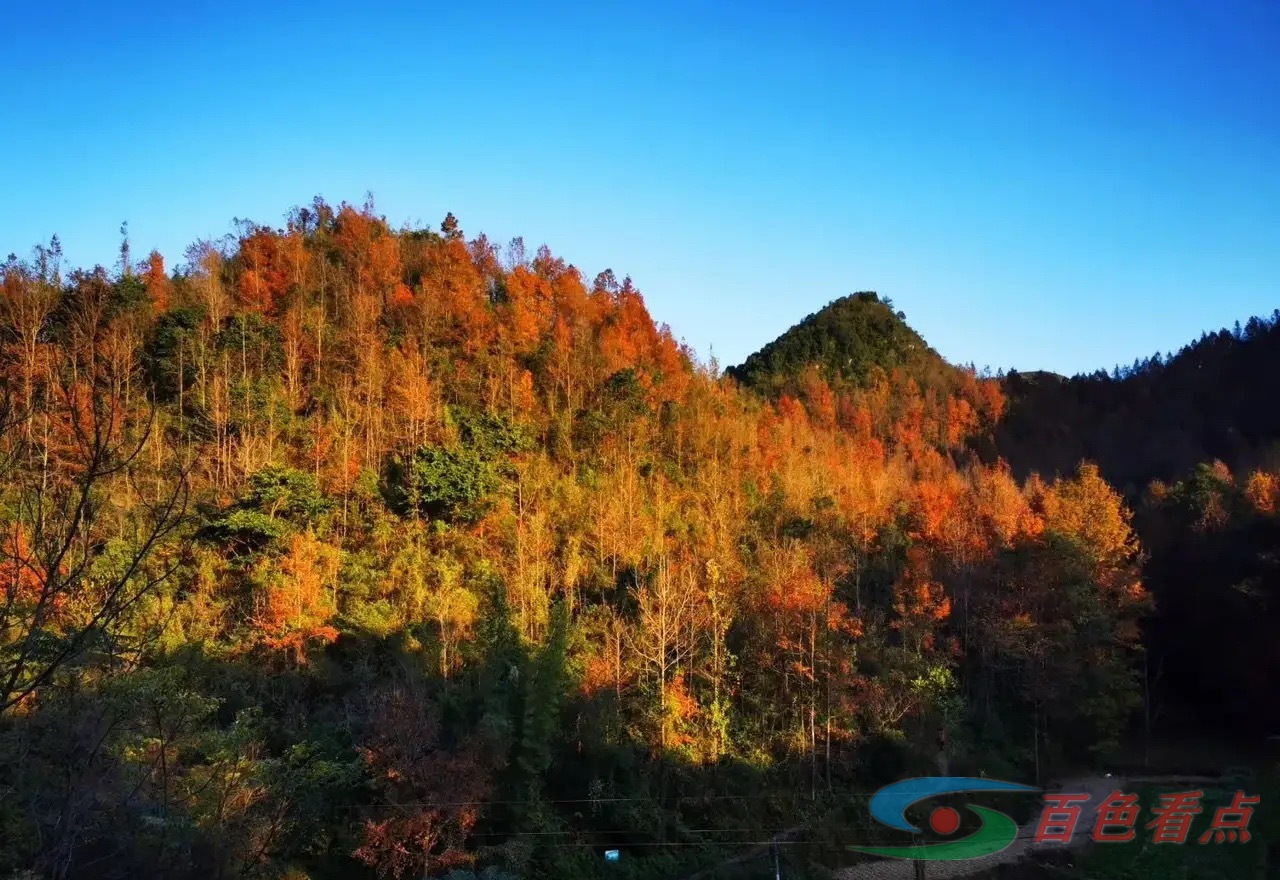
[1214, 399]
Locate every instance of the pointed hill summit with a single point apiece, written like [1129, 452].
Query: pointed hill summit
[847, 340]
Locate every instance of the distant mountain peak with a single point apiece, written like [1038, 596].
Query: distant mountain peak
[846, 339]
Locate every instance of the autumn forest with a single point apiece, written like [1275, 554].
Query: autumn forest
[341, 550]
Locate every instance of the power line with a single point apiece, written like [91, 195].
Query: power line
[630, 831]
[692, 799]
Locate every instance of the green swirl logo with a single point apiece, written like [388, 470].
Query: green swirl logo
[995, 831]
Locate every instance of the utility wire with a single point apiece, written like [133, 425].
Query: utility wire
[682, 799]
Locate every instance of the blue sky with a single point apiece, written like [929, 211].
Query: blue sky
[1038, 185]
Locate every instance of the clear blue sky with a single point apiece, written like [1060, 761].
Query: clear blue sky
[1038, 185]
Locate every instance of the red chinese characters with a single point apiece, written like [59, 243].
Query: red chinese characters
[1060, 817]
[1174, 815]
[1231, 823]
[1171, 818]
[1117, 811]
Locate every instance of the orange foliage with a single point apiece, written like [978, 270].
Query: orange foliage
[1262, 491]
[681, 709]
[1004, 513]
[628, 335]
[371, 252]
[768, 431]
[671, 364]
[1088, 507]
[991, 400]
[819, 400]
[430, 795]
[21, 576]
[937, 505]
[962, 421]
[791, 410]
[794, 588]
[297, 607]
[401, 296]
[159, 287]
[454, 287]
[528, 308]
[523, 400]
[920, 602]
[598, 675]
[266, 272]
[856, 418]
[908, 432]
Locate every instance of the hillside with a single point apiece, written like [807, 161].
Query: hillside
[356, 552]
[1192, 441]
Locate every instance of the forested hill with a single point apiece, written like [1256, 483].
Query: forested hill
[845, 340]
[1214, 399]
[345, 551]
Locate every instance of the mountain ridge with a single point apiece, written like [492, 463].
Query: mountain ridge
[1153, 420]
